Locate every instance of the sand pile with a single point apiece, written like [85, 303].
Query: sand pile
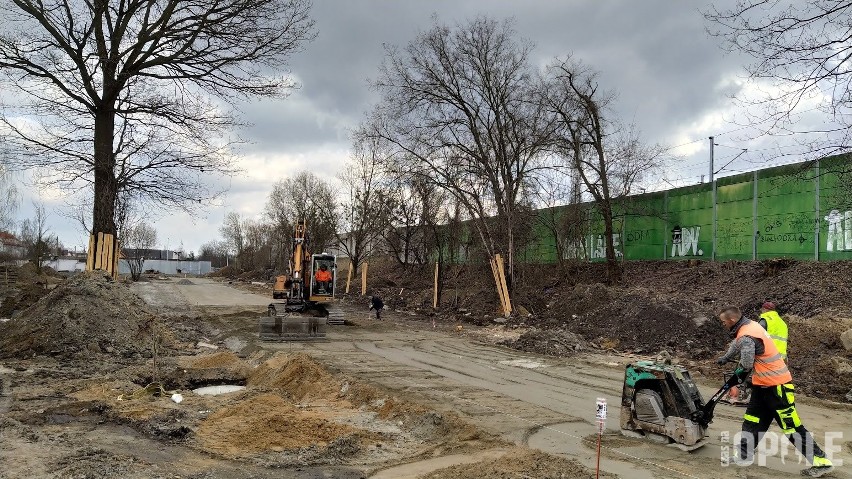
[86, 313]
[517, 463]
[298, 375]
[266, 423]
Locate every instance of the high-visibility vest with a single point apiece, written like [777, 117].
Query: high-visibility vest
[323, 275]
[777, 329]
[769, 367]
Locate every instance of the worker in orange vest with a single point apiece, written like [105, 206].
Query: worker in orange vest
[323, 277]
[772, 395]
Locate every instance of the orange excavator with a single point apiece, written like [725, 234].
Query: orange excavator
[306, 294]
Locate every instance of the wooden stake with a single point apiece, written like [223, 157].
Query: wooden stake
[503, 285]
[348, 277]
[495, 272]
[435, 291]
[364, 278]
[99, 251]
[108, 259]
[90, 257]
[116, 256]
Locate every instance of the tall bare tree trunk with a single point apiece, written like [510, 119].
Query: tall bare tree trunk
[106, 187]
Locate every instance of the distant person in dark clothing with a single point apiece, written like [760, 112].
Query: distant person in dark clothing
[377, 304]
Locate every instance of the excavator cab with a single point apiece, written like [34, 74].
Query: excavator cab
[324, 268]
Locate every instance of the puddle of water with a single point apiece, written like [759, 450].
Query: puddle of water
[565, 439]
[216, 390]
[524, 363]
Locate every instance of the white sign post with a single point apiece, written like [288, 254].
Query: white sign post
[600, 415]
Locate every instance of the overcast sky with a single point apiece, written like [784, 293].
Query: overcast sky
[672, 79]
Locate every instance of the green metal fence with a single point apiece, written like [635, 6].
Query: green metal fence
[801, 211]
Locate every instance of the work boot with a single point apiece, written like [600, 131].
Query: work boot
[821, 466]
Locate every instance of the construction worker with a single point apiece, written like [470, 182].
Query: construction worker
[772, 395]
[377, 304]
[777, 329]
[323, 277]
[775, 326]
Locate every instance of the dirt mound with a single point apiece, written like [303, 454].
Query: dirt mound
[555, 342]
[86, 313]
[296, 374]
[820, 364]
[266, 423]
[519, 462]
[26, 296]
[636, 320]
[185, 282]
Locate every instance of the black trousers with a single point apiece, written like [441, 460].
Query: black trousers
[776, 403]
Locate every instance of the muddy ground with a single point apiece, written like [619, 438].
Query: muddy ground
[462, 396]
[662, 306]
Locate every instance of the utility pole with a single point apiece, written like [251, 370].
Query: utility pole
[713, 186]
[711, 159]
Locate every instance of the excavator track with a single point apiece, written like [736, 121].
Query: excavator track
[336, 317]
[285, 323]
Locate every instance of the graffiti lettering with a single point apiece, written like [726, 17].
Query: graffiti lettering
[638, 235]
[772, 225]
[839, 231]
[785, 237]
[685, 241]
[802, 222]
[597, 246]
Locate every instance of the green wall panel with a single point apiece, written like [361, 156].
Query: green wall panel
[678, 224]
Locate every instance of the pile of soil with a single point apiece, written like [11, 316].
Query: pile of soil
[266, 423]
[297, 375]
[817, 359]
[660, 305]
[86, 313]
[519, 462]
[24, 297]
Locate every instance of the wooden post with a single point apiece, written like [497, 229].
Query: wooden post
[364, 278]
[99, 251]
[116, 256]
[348, 277]
[90, 257]
[496, 274]
[500, 268]
[106, 263]
[435, 291]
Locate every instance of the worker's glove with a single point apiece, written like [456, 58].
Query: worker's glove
[738, 377]
[721, 361]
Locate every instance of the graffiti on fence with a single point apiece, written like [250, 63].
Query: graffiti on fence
[685, 241]
[839, 231]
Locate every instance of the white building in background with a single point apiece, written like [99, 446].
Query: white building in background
[164, 266]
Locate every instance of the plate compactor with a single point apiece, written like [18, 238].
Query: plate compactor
[660, 402]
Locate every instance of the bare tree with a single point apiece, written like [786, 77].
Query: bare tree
[233, 232]
[609, 158]
[137, 239]
[365, 209]
[257, 253]
[555, 189]
[35, 235]
[802, 50]
[214, 251]
[123, 95]
[457, 110]
[414, 207]
[303, 197]
[9, 199]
